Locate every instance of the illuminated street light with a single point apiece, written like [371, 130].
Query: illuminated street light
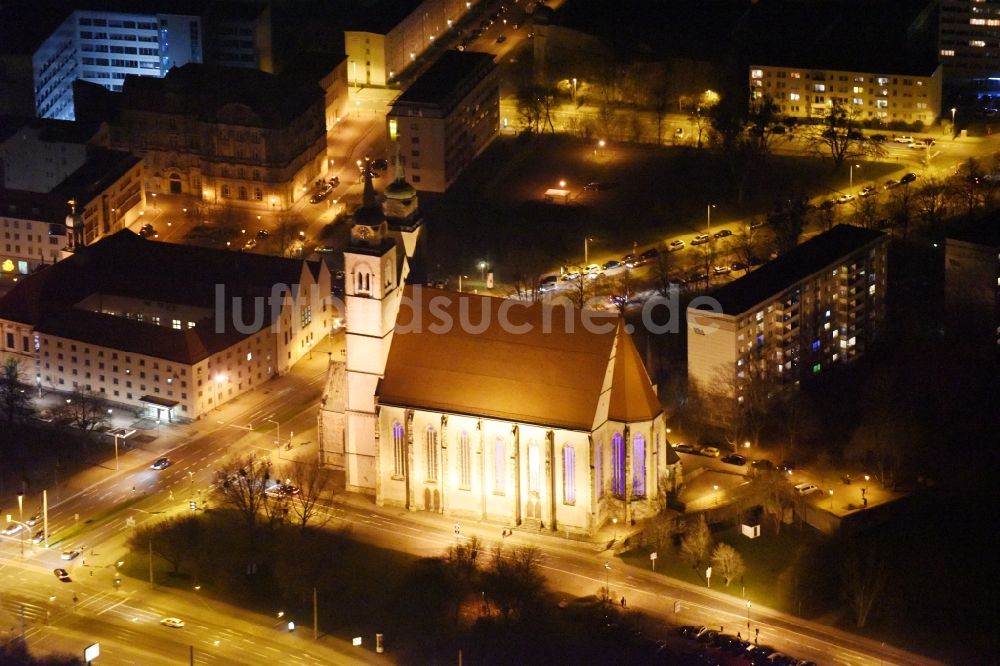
[614, 521]
[831, 499]
[748, 617]
[716, 489]
[562, 183]
[953, 109]
[853, 167]
[708, 217]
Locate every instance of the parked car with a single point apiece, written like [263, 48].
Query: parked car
[721, 270]
[676, 245]
[845, 198]
[593, 269]
[723, 233]
[250, 244]
[321, 193]
[786, 466]
[762, 465]
[62, 575]
[501, 39]
[806, 488]
[11, 529]
[890, 184]
[690, 631]
[608, 265]
[738, 266]
[548, 283]
[734, 459]
[262, 235]
[39, 537]
[570, 276]
[903, 139]
[908, 178]
[928, 141]
[629, 260]
[649, 254]
[172, 622]
[710, 451]
[700, 239]
[878, 138]
[380, 165]
[595, 186]
[161, 463]
[683, 448]
[868, 190]
[148, 231]
[697, 277]
[33, 520]
[71, 554]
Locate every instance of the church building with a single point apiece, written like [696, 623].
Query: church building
[531, 415]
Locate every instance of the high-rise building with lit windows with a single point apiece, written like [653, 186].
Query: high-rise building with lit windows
[815, 307]
[969, 39]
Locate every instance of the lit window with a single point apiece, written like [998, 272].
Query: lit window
[819, 87]
[432, 454]
[871, 290]
[569, 474]
[464, 461]
[618, 465]
[795, 75]
[756, 73]
[499, 465]
[639, 466]
[249, 356]
[817, 367]
[599, 468]
[858, 89]
[858, 101]
[397, 449]
[534, 468]
[793, 97]
[977, 43]
[977, 21]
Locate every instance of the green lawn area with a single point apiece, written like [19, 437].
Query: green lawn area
[765, 557]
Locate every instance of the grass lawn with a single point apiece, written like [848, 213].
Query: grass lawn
[765, 557]
[650, 193]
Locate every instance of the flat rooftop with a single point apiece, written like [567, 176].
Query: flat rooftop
[445, 82]
[382, 17]
[984, 232]
[807, 259]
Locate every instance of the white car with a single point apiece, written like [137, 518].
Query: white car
[846, 198]
[12, 529]
[676, 245]
[904, 139]
[806, 489]
[593, 269]
[172, 622]
[700, 239]
[71, 554]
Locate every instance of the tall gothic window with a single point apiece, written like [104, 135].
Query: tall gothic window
[639, 465]
[534, 471]
[618, 465]
[569, 474]
[432, 454]
[499, 466]
[398, 450]
[464, 461]
[599, 468]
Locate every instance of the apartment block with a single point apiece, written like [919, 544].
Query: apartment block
[810, 309]
[37, 154]
[170, 330]
[969, 39]
[890, 96]
[33, 231]
[972, 284]
[384, 40]
[449, 115]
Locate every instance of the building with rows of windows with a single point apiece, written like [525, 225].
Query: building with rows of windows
[174, 330]
[803, 92]
[819, 305]
[478, 407]
[446, 118]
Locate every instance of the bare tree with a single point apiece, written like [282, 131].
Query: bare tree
[967, 185]
[840, 137]
[314, 484]
[176, 540]
[787, 221]
[931, 200]
[865, 571]
[664, 273]
[242, 484]
[901, 208]
[514, 579]
[727, 562]
[747, 241]
[86, 410]
[696, 542]
[658, 532]
[527, 267]
[461, 565]
[15, 398]
[866, 211]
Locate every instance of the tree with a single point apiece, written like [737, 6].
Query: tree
[658, 532]
[241, 485]
[840, 137]
[901, 208]
[727, 562]
[461, 564]
[286, 231]
[15, 398]
[86, 410]
[527, 266]
[176, 540]
[314, 483]
[864, 573]
[866, 211]
[931, 200]
[513, 581]
[967, 185]
[696, 542]
[787, 220]
[747, 241]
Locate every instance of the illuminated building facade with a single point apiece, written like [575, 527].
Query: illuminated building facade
[969, 40]
[819, 305]
[803, 92]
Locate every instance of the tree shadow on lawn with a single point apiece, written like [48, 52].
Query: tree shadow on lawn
[497, 207]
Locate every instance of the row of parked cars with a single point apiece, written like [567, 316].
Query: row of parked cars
[738, 647]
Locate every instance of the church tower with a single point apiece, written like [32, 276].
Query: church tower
[372, 294]
[403, 213]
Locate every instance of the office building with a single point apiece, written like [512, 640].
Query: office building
[972, 285]
[899, 95]
[969, 40]
[171, 330]
[449, 115]
[815, 307]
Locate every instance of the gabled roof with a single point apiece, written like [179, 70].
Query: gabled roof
[632, 396]
[545, 375]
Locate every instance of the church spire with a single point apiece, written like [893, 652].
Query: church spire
[368, 199]
[400, 176]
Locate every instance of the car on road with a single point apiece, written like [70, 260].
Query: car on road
[593, 269]
[908, 178]
[683, 448]
[12, 529]
[878, 138]
[723, 233]
[161, 463]
[71, 554]
[262, 235]
[806, 488]
[845, 198]
[39, 537]
[595, 186]
[614, 263]
[630, 261]
[651, 253]
[734, 459]
[570, 276]
[710, 451]
[148, 231]
[903, 139]
[721, 270]
[762, 465]
[890, 184]
[321, 193]
[676, 245]
[250, 244]
[786, 466]
[282, 490]
[172, 622]
[868, 190]
[501, 39]
[62, 575]
[700, 239]
[33, 520]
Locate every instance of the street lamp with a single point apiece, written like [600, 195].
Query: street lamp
[953, 110]
[574, 91]
[866, 482]
[482, 270]
[853, 167]
[586, 250]
[614, 522]
[708, 217]
[748, 617]
[716, 489]
[831, 499]
[116, 436]
[607, 580]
